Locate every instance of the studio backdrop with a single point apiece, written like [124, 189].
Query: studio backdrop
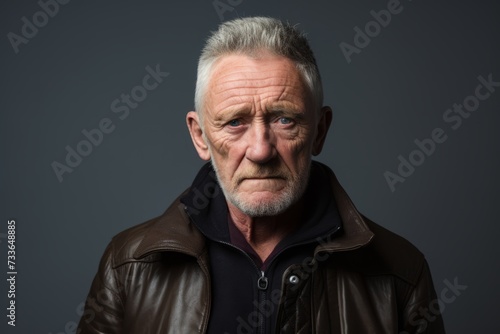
[93, 137]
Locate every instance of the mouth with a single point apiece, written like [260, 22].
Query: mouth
[260, 178]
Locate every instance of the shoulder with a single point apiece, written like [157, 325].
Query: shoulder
[124, 245]
[145, 242]
[391, 244]
[388, 254]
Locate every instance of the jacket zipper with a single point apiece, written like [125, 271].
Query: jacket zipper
[262, 282]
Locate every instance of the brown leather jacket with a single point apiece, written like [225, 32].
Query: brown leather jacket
[154, 278]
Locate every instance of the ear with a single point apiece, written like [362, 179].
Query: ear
[196, 132]
[323, 126]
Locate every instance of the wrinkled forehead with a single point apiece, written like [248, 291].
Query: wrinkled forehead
[239, 79]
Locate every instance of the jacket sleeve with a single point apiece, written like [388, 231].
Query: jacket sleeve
[103, 312]
[422, 312]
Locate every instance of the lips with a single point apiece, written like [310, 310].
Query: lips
[257, 178]
[262, 177]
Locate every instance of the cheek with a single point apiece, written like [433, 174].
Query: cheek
[219, 143]
[227, 154]
[295, 145]
[296, 152]
[228, 149]
[297, 156]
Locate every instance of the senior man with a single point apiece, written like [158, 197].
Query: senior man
[265, 240]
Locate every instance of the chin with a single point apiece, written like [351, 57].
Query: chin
[263, 205]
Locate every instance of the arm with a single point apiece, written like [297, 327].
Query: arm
[422, 313]
[103, 312]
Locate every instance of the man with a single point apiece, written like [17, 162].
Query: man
[265, 240]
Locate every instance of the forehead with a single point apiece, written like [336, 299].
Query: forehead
[240, 79]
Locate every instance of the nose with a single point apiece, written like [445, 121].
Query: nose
[260, 147]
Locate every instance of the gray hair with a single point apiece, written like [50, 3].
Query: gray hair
[249, 36]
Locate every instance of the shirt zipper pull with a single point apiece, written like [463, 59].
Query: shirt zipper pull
[262, 282]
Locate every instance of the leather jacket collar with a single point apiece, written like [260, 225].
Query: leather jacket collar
[173, 231]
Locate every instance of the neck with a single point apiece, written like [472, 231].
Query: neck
[264, 233]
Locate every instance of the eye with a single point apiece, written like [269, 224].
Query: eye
[234, 122]
[285, 120]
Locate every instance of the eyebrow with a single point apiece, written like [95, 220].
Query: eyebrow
[285, 109]
[272, 110]
[230, 114]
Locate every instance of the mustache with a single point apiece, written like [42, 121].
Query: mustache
[262, 172]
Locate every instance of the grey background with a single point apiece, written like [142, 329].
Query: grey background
[394, 91]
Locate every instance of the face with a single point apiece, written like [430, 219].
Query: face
[259, 129]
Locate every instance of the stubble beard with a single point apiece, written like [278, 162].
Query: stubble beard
[292, 192]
